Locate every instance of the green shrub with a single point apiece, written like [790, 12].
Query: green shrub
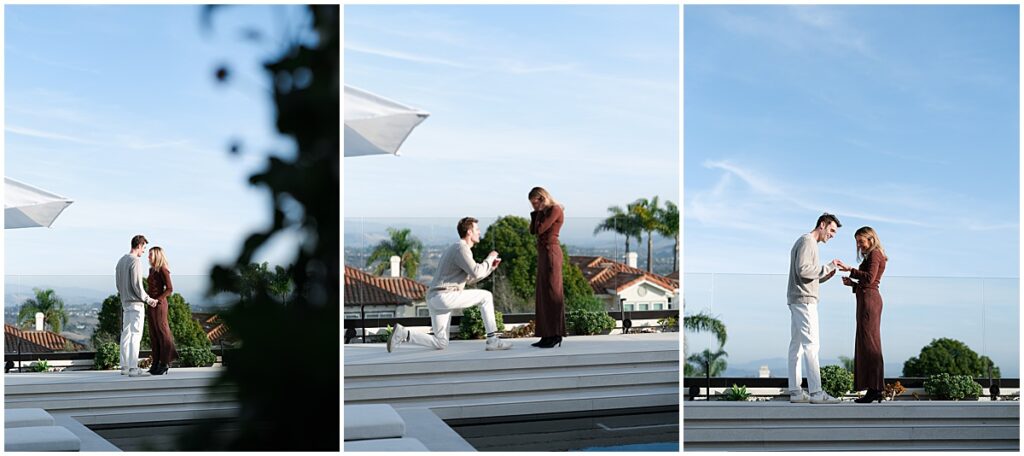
[588, 303]
[949, 356]
[196, 357]
[40, 366]
[836, 381]
[669, 324]
[736, 393]
[585, 322]
[108, 356]
[471, 326]
[945, 386]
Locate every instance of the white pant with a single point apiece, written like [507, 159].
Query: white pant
[803, 341]
[133, 320]
[441, 306]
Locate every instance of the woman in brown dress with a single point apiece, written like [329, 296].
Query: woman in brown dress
[159, 287]
[868, 370]
[545, 221]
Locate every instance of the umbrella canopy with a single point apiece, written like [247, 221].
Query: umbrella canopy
[375, 125]
[26, 206]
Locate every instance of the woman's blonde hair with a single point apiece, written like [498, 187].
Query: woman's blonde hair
[875, 243]
[159, 260]
[541, 193]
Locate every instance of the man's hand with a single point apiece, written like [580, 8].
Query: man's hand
[152, 302]
[839, 264]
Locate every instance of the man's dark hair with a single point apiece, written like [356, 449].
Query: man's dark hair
[826, 217]
[138, 240]
[464, 225]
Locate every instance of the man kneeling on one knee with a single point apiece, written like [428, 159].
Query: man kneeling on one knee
[448, 292]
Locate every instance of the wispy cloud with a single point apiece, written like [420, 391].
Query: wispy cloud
[505, 65]
[801, 28]
[119, 141]
[13, 51]
[49, 135]
[763, 194]
[407, 57]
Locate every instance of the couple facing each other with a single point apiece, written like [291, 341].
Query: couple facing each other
[139, 302]
[805, 275]
[457, 269]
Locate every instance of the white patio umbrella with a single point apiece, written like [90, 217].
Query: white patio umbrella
[26, 206]
[376, 125]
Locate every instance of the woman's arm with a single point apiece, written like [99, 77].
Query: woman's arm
[870, 271]
[169, 286]
[554, 214]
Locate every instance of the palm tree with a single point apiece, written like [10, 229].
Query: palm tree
[621, 222]
[47, 302]
[401, 244]
[669, 218]
[703, 322]
[648, 216]
[707, 360]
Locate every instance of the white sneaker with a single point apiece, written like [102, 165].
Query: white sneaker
[495, 343]
[799, 398]
[124, 372]
[824, 398]
[398, 336]
[136, 372]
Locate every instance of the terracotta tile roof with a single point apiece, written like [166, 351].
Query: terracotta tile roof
[605, 274]
[213, 326]
[365, 288]
[37, 341]
[674, 278]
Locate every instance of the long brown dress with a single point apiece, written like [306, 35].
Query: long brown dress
[161, 341]
[550, 312]
[868, 370]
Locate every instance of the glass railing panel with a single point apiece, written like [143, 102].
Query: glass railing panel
[82, 297]
[983, 313]
[512, 286]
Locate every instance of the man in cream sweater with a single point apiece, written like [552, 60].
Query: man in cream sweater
[805, 275]
[448, 292]
[128, 277]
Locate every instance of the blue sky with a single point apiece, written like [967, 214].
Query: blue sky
[116, 108]
[582, 100]
[903, 118]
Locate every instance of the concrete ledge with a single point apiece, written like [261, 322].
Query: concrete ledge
[372, 421]
[27, 417]
[900, 425]
[40, 438]
[425, 426]
[390, 445]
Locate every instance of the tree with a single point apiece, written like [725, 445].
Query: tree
[510, 237]
[621, 222]
[701, 361]
[187, 332]
[847, 362]
[108, 329]
[648, 217]
[308, 114]
[669, 221]
[948, 356]
[703, 322]
[401, 244]
[277, 281]
[47, 302]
